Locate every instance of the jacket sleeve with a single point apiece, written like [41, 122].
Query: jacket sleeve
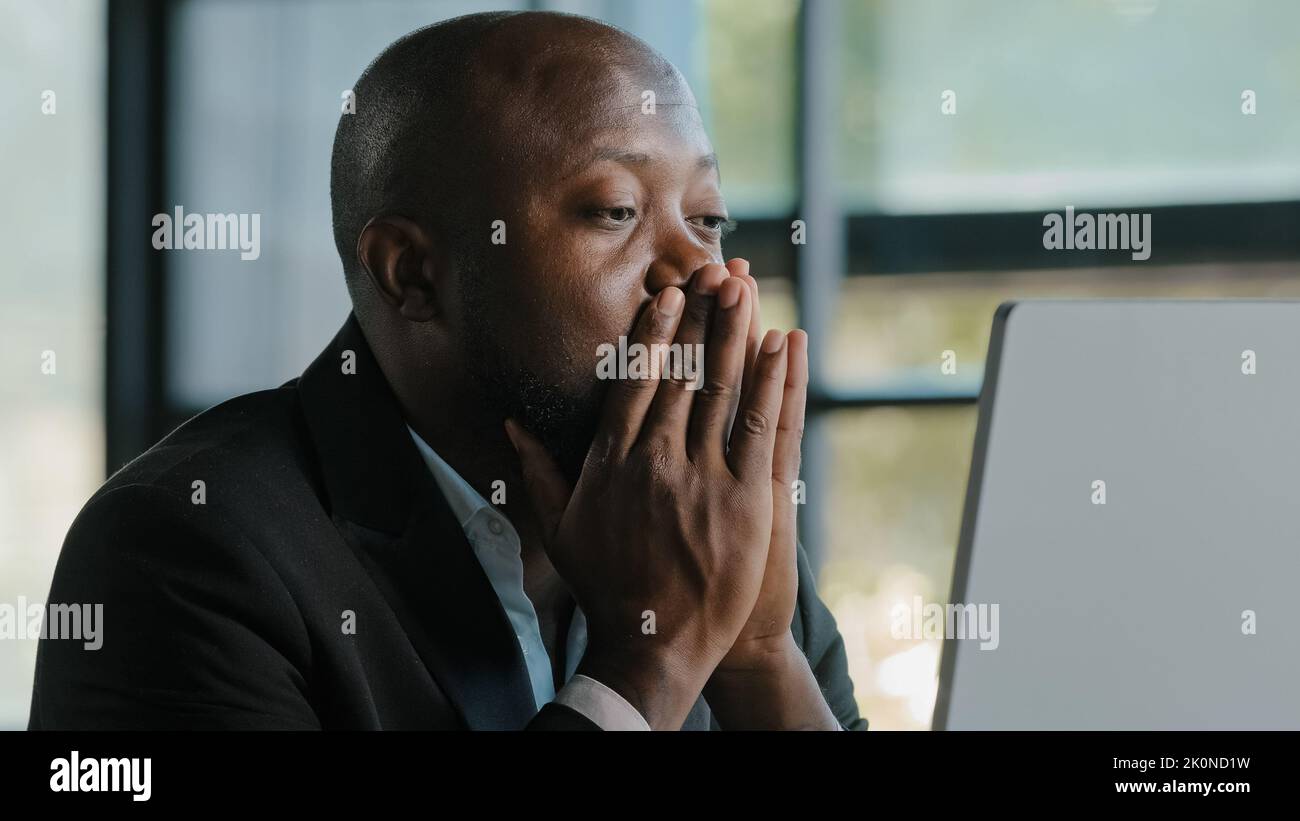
[559, 717]
[197, 630]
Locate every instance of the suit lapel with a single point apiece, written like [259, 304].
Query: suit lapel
[390, 510]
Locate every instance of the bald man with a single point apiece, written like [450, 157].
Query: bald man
[456, 517]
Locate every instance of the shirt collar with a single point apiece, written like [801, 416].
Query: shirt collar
[461, 496]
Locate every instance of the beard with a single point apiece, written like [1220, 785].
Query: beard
[563, 420]
[562, 414]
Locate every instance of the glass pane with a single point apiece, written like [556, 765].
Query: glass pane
[252, 119]
[739, 57]
[751, 101]
[891, 331]
[897, 479]
[1074, 102]
[51, 302]
[776, 304]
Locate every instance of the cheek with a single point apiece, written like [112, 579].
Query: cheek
[577, 302]
[597, 284]
[595, 313]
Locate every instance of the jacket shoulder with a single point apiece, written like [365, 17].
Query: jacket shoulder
[250, 447]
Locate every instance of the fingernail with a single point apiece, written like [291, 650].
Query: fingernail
[773, 341]
[670, 301]
[729, 295]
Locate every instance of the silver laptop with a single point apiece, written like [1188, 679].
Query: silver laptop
[1133, 512]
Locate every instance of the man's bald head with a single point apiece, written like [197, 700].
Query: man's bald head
[443, 109]
[537, 120]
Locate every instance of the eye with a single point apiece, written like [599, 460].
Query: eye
[715, 224]
[620, 215]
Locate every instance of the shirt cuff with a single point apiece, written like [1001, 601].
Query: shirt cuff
[606, 708]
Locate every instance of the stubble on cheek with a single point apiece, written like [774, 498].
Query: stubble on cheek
[536, 364]
[559, 384]
[560, 399]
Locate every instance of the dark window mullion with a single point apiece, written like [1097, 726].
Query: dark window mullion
[134, 296]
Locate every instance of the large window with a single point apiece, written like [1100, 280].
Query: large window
[1084, 102]
[1129, 104]
[51, 303]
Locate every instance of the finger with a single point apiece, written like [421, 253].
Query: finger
[786, 452]
[756, 328]
[789, 426]
[754, 434]
[740, 268]
[724, 365]
[548, 490]
[628, 399]
[671, 408]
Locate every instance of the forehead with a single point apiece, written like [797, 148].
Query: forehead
[672, 139]
[552, 147]
[548, 117]
[559, 59]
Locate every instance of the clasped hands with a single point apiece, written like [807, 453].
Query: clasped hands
[684, 508]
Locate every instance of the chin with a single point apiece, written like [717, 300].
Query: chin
[563, 418]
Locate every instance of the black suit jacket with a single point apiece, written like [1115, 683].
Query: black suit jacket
[229, 614]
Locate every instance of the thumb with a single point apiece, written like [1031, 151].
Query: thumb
[547, 488]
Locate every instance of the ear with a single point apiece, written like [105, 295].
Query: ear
[399, 256]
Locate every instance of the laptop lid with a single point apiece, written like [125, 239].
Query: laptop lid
[1133, 512]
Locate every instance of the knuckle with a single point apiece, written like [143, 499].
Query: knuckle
[660, 464]
[716, 388]
[661, 325]
[786, 475]
[633, 387]
[674, 381]
[755, 421]
[660, 456]
[795, 431]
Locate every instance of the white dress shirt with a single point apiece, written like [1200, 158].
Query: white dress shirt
[496, 544]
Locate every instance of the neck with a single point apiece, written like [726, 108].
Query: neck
[482, 454]
[472, 440]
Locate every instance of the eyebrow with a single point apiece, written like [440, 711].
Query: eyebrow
[704, 163]
[621, 157]
[707, 162]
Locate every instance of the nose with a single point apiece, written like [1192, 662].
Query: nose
[677, 257]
